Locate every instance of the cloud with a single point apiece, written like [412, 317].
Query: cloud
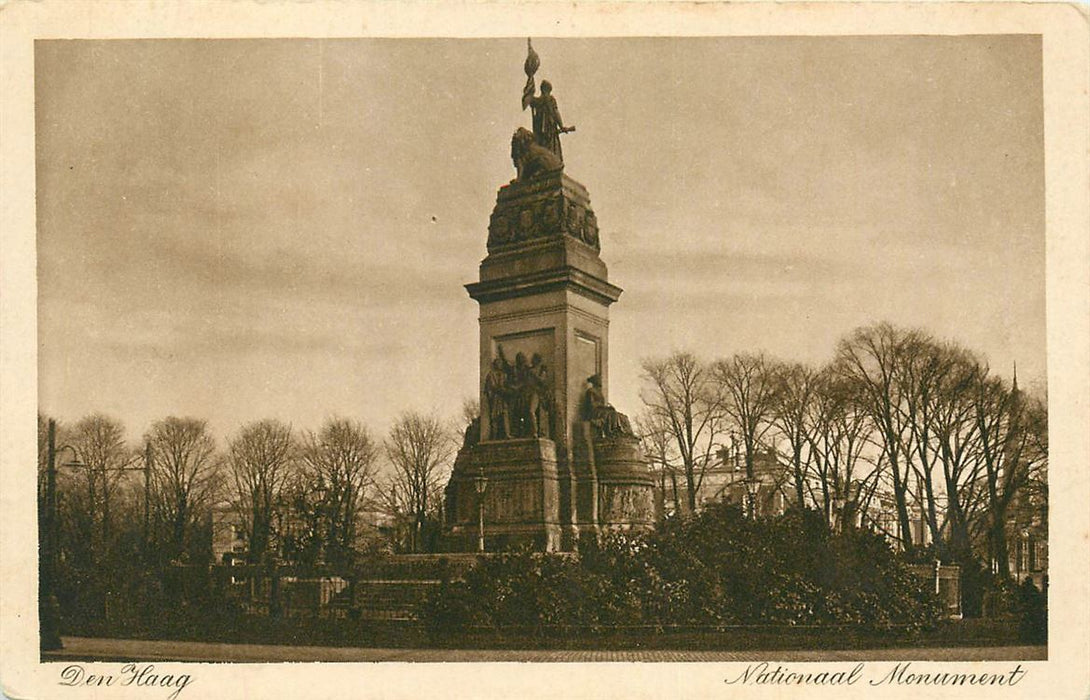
[714, 278]
[223, 212]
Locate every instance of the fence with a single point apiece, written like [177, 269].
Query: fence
[388, 587]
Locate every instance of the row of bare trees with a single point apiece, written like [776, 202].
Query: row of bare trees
[898, 421]
[296, 495]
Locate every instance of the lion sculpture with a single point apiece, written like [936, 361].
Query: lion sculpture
[530, 158]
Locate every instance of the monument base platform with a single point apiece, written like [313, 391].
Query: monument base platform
[520, 499]
[614, 491]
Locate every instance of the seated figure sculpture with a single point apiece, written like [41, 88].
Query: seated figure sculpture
[606, 420]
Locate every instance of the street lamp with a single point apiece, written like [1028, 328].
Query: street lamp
[1024, 555]
[480, 483]
[48, 607]
[50, 612]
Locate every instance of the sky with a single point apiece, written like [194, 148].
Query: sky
[243, 229]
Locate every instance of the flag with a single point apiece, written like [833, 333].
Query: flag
[528, 93]
[530, 66]
[532, 61]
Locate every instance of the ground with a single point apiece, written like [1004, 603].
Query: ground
[96, 649]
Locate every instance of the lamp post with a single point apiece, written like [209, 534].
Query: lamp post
[1024, 555]
[49, 608]
[480, 483]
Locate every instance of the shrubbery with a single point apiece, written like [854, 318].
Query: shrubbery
[718, 568]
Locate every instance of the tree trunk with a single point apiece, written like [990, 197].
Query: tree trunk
[799, 476]
[932, 513]
[690, 483]
[959, 541]
[259, 537]
[826, 505]
[999, 544]
[900, 488]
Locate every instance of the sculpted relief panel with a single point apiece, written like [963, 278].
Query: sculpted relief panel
[519, 389]
[513, 501]
[542, 215]
[625, 504]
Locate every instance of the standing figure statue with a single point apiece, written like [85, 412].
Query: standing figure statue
[496, 393]
[606, 420]
[519, 383]
[546, 116]
[539, 401]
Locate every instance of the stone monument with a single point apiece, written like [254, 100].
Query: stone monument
[549, 460]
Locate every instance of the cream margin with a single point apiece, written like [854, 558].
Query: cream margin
[1066, 47]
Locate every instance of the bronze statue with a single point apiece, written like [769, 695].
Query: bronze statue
[529, 158]
[606, 420]
[539, 400]
[497, 394]
[519, 382]
[518, 398]
[548, 126]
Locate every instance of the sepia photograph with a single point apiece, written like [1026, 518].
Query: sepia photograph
[727, 348]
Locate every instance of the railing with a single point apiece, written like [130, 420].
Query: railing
[388, 589]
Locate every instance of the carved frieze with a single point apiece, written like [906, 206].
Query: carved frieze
[627, 504]
[542, 208]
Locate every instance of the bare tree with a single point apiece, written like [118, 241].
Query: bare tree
[1012, 432]
[749, 386]
[470, 429]
[957, 446]
[658, 447]
[420, 449]
[680, 394]
[261, 458]
[842, 450]
[186, 477]
[339, 464]
[868, 359]
[471, 410]
[791, 413]
[919, 377]
[100, 443]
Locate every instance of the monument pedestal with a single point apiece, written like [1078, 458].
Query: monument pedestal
[626, 489]
[521, 496]
[615, 490]
[544, 300]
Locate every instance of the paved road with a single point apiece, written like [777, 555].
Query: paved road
[84, 648]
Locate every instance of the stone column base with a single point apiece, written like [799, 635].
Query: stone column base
[626, 488]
